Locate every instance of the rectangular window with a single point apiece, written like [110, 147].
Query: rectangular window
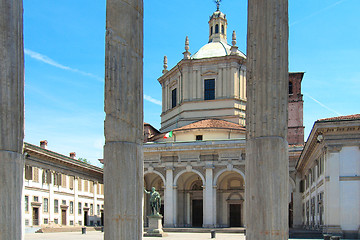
[71, 182]
[71, 222]
[80, 184]
[46, 205]
[57, 179]
[98, 209]
[80, 223]
[36, 175]
[173, 98]
[56, 221]
[71, 207]
[86, 185]
[199, 137]
[91, 187]
[91, 209]
[46, 221]
[63, 180]
[26, 203]
[27, 222]
[79, 209]
[56, 206]
[36, 199]
[46, 177]
[63, 202]
[322, 165]
[209, 89]
[28, 173]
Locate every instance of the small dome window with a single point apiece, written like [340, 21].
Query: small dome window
[211, 30]
[216, 28]
[222, 29]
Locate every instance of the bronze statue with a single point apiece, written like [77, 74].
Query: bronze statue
[155, 201]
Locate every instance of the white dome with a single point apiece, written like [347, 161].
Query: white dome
[215, 49]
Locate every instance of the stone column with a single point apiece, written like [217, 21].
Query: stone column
[169, 195]
[267, 163]
[208, 197]
[11, 119]
[123, 155]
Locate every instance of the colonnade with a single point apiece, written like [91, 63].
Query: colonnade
[266, 119]
[178, 214]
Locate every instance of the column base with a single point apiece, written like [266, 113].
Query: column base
[11, 190]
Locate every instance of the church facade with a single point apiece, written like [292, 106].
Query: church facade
[200, 168]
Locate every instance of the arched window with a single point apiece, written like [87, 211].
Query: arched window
[211, 30]
[290, 88]
[216, 28]
[222, 29]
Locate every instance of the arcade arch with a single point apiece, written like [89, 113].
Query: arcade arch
[230, 195]
[189, 198]
[156, 180]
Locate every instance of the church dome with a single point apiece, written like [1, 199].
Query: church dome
[215, 49]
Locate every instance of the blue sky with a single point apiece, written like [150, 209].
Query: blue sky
[64, 61]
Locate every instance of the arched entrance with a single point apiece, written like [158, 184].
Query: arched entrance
[230, 195]
[152, 180]
[190, 200]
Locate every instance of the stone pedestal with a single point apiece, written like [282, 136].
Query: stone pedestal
[155, 227]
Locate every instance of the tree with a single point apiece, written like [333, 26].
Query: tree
[84, 160]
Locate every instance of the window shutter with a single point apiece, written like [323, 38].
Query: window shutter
[48, 176]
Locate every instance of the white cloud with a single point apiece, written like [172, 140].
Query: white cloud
[153, 100]
[47, 60]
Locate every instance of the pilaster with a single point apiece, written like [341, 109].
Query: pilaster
[297, 204]
[169, 199]
[332, 190]
[209, 208]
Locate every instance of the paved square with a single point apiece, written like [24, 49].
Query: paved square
[100, 236]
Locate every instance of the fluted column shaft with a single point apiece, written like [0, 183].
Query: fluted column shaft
[123, 156]
[267, 166]
[11, 118]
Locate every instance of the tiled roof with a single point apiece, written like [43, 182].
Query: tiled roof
[211, 123]
[348, 117]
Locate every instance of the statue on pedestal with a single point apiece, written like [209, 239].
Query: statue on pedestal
[155, 201]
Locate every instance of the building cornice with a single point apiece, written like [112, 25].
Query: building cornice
[41, 153]
[329, 135]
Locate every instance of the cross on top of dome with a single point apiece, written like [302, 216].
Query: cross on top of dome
[217, 4]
